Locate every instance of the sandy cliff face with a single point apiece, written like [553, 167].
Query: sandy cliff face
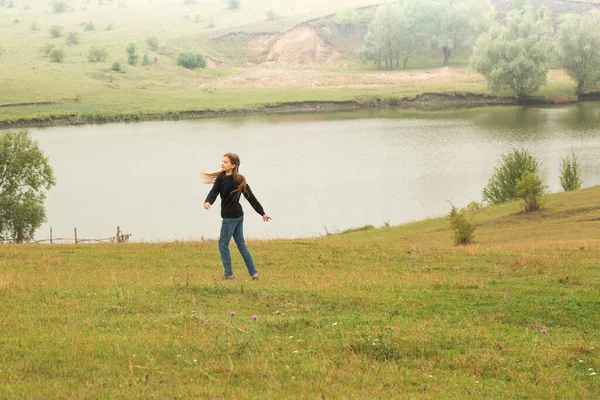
[302, 45]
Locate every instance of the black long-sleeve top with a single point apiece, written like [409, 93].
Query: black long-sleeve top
[230, 203]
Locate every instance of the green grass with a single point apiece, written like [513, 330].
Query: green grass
[396, 312]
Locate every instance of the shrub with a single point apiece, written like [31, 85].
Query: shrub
[501, 187]
[56, 31]
[89, 27]
[211, 23]
[116, 67]
[153, 42]
[72, 38]
[345, 18]
[191, 60]
[35, 26]
[146, 60]
[570, 174]
[59, 6]
[46, 48]
[530, 189]
[461, 222]
[233, 4]
[96, 53]
[271, 16]
[57, 55]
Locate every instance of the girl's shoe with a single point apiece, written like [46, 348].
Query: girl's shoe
[227, 277]
[255, 277]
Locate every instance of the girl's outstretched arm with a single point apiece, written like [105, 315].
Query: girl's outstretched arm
[212, 195]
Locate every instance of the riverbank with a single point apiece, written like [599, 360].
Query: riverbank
[370, 313]
[425, 101]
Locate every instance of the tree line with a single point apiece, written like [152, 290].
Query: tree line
[513, 55]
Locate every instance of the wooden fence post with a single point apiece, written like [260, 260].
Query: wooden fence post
[118, 234]
[50, 235]
[75, 230]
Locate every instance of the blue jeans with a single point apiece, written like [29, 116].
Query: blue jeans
[234, 227]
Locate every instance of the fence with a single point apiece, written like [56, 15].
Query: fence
[119, 238]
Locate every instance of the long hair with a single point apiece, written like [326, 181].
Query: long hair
[238, 179]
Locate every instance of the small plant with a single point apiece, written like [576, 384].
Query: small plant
[530, 189]
[116, 67]
[271, 16]
[34, 26]
[89, 27]
[461, 222]
[570, 174]
[327, 30]
[191, 60]
[501, 187]
[72, 38]
[57, 55]
[56, 31]
[96, 53]
[46, 48]
[132, 55]
[233, 4]
[146, 60]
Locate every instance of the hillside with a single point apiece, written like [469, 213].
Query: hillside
[395, 312]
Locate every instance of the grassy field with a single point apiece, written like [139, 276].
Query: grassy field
[396, 312]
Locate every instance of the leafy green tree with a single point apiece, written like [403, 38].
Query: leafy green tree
[24, 175]
[153, 42]
[514, 58]
[146, 60]
[345, 18]
[570, 174]
[501, 187]
[191, 60]
[132, 55]
[579, 48]
[89, 27]
[449, 25]
[530, 190]
[389, 38]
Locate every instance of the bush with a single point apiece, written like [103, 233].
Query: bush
[153, 42]
[461, 222]
[56, 31]
[89, 27]
[530, 189]
[233, 4]
[96, 53]
[146, 60]
[116, 67]
[211, 23]
[72, 38]
[501, 187]
[570, 174]
[271, 16]
[59, 6]
[57, 55]
[35, 26]
[345, 18]
[45, 49]
[191, 60]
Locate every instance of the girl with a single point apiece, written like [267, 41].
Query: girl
[230, 184]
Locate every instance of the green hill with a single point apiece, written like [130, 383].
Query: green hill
[394, 312]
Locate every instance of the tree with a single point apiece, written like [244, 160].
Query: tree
[514, 58]
[345, 18]
[450, 25]
[530, 190]
[579, 48]
[153, 42]
[233, 4]
[570, 174]
[57, 55]
[132, 55]
[389, 38]
[24, 175]
[501, 187]
[96, 53]
[56, 31]
[72, 38]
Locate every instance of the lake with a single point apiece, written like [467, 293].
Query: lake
[313, 173]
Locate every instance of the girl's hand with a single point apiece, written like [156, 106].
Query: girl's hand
[206, 206]
[266, 218]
